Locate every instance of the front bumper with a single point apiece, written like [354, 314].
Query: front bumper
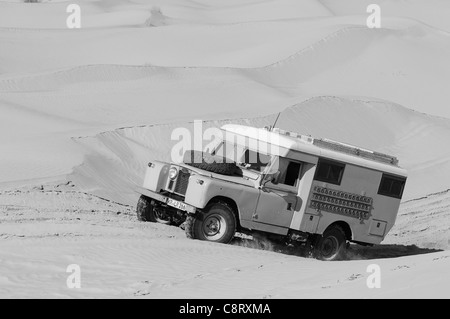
[167, 200]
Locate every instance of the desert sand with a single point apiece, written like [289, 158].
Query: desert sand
[82, 111]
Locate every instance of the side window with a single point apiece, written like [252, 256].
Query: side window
[289, 172]
[392, 186]
[329, 172]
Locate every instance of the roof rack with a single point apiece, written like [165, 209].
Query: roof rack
[304, 138]
[341, 147]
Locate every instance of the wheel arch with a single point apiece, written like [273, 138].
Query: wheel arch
[231, 203]
[345, 227]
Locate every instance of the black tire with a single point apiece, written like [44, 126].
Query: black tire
[331, 245]
[217, 224]
[210, 163]
[146, 212]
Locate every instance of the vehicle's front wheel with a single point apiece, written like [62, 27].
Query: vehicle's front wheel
[217, 224]
[331, 245]
[146, 212]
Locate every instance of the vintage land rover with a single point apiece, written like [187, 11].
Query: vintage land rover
[317, 192]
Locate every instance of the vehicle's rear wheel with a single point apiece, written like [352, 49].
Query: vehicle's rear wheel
[331, 245]
[217, 224]
[146, 212]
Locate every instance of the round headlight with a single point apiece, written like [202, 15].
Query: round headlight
[173, 173]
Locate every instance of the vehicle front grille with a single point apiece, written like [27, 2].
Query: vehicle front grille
[182, 183]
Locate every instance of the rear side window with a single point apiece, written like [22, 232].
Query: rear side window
[392, 186]
[329, 172]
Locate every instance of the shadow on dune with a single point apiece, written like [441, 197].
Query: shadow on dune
[355, 252]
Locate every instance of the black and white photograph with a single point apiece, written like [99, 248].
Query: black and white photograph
[223, 155]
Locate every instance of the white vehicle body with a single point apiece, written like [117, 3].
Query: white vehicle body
[329, 183]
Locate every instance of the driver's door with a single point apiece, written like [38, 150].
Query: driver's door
[279, 200]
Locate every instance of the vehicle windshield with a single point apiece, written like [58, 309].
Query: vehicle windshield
[243, 156]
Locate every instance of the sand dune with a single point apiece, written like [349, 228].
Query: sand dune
[100, 97]
[54, 226]
[420, 222]
[89, 108]
[421, 10]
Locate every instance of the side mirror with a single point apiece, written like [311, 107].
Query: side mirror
[273, 178]
[276, 178]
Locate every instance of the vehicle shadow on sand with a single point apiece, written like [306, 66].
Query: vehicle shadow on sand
[354, 252]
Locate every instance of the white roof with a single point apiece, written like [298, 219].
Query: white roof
[324, 148]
